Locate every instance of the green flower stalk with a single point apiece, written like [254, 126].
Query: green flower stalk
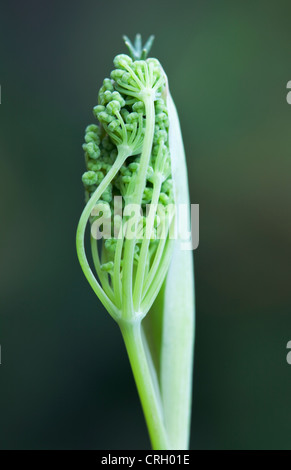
[135, 156]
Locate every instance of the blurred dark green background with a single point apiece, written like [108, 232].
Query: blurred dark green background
[65, 382]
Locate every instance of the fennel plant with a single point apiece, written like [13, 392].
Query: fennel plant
[141, 275]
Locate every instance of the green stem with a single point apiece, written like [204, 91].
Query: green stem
[108, 304]
[151, 404]
[160, 275]
[103, 277]
[136, 198]
[144, 252]
[117, 284]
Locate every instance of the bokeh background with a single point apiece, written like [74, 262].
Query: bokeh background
[65, 381]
